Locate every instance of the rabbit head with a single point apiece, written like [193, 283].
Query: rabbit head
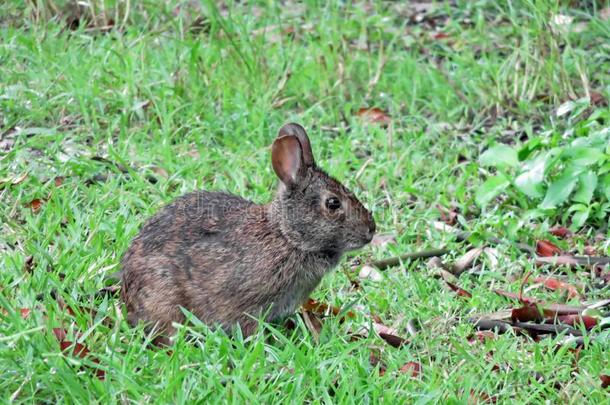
[316, 213]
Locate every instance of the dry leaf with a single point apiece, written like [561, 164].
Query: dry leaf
[79, 350]
[376, 361]
[555, 284]
[313, 324]
[492, 255]
[393, 340]
[527, 313]
[369, 272]
[390, 335]
[13, 180]
[374, 115]
[565, 108]
[447, 216]
[59, 180]
[589, 322]
[605, 380]
[413, 368]
[443, 227]
[597, 99]
[438, 270]
[459, 291]
[320, 308]
[466, 261]
[35, 205]
[482, 336]
[560, 232]
[544, 248]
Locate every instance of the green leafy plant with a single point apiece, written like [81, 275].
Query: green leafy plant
[565, 174]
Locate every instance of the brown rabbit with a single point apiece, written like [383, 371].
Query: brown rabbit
[229, 261]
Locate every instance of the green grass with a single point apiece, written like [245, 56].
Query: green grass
[171, 110]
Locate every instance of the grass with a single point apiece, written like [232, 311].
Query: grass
[131, 118]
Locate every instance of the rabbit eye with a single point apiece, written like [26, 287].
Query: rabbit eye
[333, 203]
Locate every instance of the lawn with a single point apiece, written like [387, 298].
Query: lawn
[427, 111]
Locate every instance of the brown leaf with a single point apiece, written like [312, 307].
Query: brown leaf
[313, 323]
[440, 35]
[605, 380]
[81, 351]
[78, 350]
[374, 115]
[35, 205]
[544, 248]
[412, 367]
[375, 361]
[555, 284]
[60, 334]
[459, 291]
[527, 313]
[560, 232]
[447, 216]
[393, 340]
[589, 322]
[590, 250]
[482, 336]
[59, 180]
[390, 335]
[597, 99]
[320, 308]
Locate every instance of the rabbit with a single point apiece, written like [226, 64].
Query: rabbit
[230, 261]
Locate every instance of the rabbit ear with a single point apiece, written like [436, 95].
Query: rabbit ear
[298, 131]
[287, 158]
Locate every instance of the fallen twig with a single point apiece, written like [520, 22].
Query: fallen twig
[573, 261]
[543, 328]
[490, 324]
[459, 236]
[395, 261]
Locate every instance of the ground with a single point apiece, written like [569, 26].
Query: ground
[103, 120]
